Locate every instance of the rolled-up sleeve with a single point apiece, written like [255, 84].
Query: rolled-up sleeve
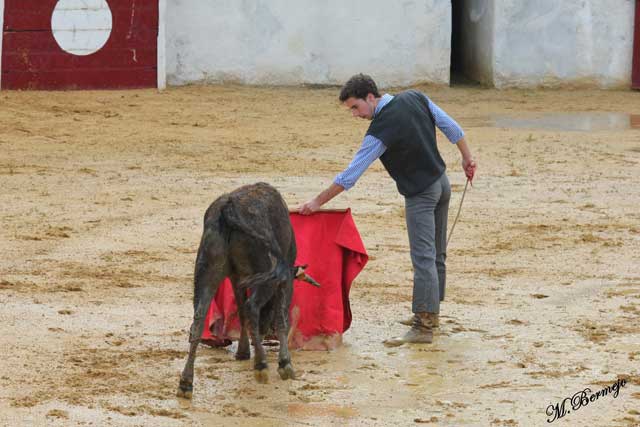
[449, 127]
[370, 150]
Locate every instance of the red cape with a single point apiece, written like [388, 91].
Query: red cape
[329, 242]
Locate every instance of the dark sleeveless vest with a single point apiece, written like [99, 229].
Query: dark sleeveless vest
[407, 129]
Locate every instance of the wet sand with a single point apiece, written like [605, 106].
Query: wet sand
[102, 199]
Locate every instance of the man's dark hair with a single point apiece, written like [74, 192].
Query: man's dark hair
[359, 86]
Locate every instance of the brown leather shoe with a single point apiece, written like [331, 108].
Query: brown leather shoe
[433, 319]
[421, 332]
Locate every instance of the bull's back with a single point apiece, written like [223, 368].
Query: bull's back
[258, 210]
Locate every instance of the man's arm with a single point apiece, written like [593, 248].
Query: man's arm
[468, 164]
[455, 134]
[449, 127]
[369, 151]
[314, 204]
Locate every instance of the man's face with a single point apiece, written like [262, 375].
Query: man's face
[362, 108]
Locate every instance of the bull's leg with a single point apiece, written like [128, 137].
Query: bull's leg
[254, 304]
[285, 369]
[244, 350]
[207, 279]
[259, 357]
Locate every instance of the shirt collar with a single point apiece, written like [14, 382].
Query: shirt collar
[384, 100]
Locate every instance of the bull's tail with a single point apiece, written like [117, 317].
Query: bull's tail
[210, 268]
[231, 218]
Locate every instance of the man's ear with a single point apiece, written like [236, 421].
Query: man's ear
[370, 97]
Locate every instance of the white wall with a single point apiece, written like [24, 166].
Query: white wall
[551, 42]
[162, 43]
[308, 41]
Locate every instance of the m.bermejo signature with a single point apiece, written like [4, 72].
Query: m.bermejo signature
[582, 398]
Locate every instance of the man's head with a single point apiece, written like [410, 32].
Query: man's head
[360, 95]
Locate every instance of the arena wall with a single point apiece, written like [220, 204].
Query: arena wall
[551, 43]
[511, 43]
[307, 41]
[79, 44]
[162, 41]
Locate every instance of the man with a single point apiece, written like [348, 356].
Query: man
[402, 135]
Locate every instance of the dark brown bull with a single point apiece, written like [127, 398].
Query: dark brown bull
[247, 237]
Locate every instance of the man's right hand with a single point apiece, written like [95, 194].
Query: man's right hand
[309, 207]
[314, 204]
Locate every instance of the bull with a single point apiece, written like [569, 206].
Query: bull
[248, 238]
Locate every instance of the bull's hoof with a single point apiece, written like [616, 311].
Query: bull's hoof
[287, 372]
[261, 375]
[185, 390]
[243, 355]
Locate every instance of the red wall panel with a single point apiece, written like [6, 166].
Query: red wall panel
[32, 59]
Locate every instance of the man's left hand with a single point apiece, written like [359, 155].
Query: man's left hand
[469, 166]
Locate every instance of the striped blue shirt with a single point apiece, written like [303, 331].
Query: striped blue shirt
[372, 147]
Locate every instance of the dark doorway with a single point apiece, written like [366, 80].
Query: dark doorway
[456, 25]
[459, 75]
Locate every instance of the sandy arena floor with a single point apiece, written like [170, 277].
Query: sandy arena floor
[103, 194]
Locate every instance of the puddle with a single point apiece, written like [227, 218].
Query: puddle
[581, 122]
[304, 410]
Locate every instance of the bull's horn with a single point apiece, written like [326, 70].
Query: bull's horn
[301, 275]
[310, 280]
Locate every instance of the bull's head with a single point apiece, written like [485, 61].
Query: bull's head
[301, 275]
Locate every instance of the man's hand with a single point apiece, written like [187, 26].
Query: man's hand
[310, 207]
[469, 166]
[314, 204]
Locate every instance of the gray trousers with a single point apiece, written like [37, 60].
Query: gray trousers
[426, 216]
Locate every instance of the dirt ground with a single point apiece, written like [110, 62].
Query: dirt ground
[103, 194]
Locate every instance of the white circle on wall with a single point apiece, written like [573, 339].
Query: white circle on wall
[81, 27]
